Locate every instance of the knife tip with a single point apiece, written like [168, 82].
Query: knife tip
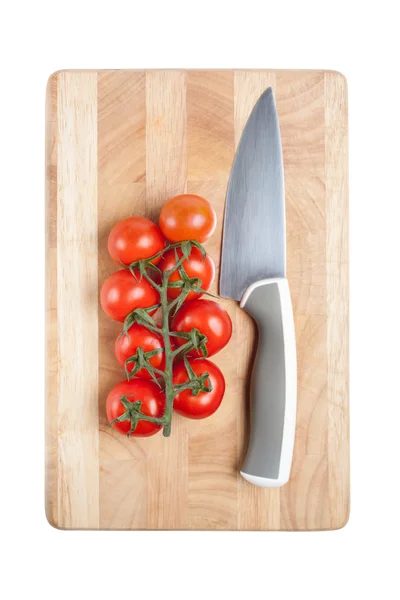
[266, 96]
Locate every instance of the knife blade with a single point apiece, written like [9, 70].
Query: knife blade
[253, 270]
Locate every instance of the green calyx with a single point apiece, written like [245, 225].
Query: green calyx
[195, 383]
[141, 316]
[141, 360]
[134, 414]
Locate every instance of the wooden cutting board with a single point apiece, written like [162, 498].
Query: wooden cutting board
[121, 143]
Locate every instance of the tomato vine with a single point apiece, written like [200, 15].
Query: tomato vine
[194, 339]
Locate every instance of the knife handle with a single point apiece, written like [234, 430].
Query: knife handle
[273, 384]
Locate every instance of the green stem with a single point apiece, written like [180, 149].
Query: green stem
[179, 263]
[159, 372]
[151, 281]
[169, 359]
[184, 348]
[174, 302]
[156, 420]
[183, 386]
[153, 328]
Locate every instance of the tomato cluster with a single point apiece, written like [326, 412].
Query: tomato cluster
[166, 366]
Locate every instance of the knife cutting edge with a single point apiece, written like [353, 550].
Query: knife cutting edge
[253, 271]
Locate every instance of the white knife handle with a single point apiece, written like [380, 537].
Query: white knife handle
[273, 385]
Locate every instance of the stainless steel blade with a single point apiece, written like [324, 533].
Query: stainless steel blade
[254, 244]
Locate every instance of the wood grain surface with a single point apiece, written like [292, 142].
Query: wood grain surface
[120, 143]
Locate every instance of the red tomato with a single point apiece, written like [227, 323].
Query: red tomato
[187, 217]
[121, 293]
[133, 239]
[205, 403]
[153, 405]
[209, 318]
[196, 266]
[138, 336]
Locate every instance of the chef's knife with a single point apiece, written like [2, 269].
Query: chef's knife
[253, 271]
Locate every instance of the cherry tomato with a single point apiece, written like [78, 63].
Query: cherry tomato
[209, 318]
[196, 266]
[153, 405]
[126, 345]
[205, 403]
[187, 217]
[121, 293]
[135, 238]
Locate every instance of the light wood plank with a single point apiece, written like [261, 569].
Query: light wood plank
[122, 155]
[212, 450]
[123, 491]
[212, 444]
[337, 285]
[51, 304]
[122, 192]
[304, 500]
[210, 125]
[265, 504]
[166, 131]
[166, 175]
[77, 301]
[300, 104]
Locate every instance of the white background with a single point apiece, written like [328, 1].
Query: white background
[361, 40]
